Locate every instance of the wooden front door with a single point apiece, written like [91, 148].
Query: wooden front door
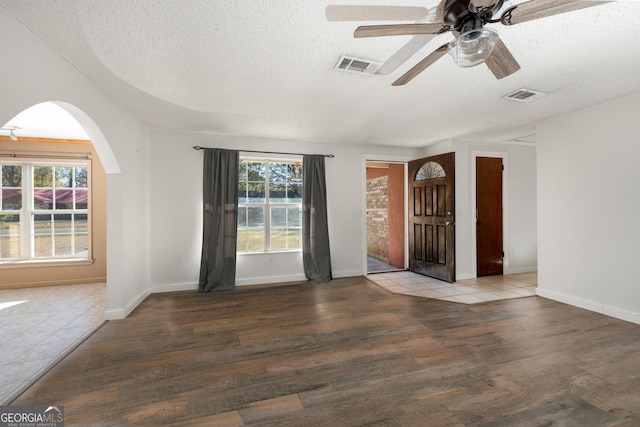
[489, 251]
[432, 216]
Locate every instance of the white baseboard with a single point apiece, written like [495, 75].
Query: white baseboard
[465, 276]
[347, 273]
[518, 270]
[262, 280]
[267, 280]
[628, 316]
[174, 287]
[121, 313]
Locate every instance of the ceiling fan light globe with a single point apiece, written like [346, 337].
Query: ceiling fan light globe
[473, 47]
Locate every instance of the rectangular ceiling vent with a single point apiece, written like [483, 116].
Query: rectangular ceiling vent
[524, 95]
[357, 65]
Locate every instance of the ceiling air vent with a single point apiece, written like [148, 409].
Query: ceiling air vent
[358, 65]
[524, 95]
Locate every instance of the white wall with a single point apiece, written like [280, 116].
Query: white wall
[588, 208]
[176, 208]
[33, 73]
[519, 203]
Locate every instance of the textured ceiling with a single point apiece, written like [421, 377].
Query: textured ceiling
[266, 68]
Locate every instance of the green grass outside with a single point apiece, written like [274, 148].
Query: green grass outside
[252, 239]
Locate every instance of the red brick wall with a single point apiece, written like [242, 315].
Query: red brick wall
[385, 214]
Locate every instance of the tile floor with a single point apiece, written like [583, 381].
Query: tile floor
[377, 266]
[38, 326]
[469, 291]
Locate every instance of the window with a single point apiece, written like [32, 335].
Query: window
[44, 210]
[430, 170]
[269, 206]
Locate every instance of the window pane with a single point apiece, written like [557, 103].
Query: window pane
[255, 216]
[256, 239]
[251, 239]
[278, 172]
[285, 172]
[81, 223]
[43, 199]
[43, 176]
[62, 224]
[278, 217]
[242, 217]
[277, 193]
[81, 244]
[256, 171]
[255, 193]
[430, 170]
[81, 180]
[42, 224]
[9, 236]
[278, 238]
[242, 193]
[11, 176]
[82, 198]
[295, 217]
[242, 244]
[294, 239]
[294, 193]
[11, 199]
[64, 199]
[62, 245]
[64, 176]
[242, 171]
[43, 246]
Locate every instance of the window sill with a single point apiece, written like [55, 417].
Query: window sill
[45, 263]
[293, 251]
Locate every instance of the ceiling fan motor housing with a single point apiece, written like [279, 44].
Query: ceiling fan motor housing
[455, 12]
[463, 16]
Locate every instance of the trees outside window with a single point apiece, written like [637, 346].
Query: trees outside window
[44, 210]
[269, 205]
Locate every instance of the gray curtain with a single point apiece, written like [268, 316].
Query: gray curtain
[220, 203]
[315, 230]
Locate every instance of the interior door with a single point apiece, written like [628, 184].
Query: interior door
[489, 249]
[432, 216]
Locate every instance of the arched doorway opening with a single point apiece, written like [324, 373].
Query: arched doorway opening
[54, 162]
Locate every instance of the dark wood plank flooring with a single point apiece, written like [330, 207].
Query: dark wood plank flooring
[349, 353]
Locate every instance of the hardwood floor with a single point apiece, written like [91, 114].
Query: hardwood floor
[349, 353]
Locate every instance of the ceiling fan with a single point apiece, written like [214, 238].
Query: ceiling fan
[473, 43]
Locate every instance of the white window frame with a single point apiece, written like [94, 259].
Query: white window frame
[267, 205]
[28, 212]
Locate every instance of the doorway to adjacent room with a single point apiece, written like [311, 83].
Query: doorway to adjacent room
[385, 212]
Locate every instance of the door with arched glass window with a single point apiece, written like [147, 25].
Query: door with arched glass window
[432, 216]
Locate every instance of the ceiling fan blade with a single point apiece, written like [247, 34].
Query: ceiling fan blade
[535, 9]
[404, 53]
[501, 62]
[422, 65]
[339, 13]
[399, 30]
[483, 3]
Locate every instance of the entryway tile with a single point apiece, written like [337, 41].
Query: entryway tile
[468, 291]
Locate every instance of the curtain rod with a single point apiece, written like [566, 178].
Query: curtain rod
[331, 156]
[44, 156]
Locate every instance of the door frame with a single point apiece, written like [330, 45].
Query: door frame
[404, 160]
[505, 209]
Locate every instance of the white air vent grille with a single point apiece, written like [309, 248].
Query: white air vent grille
[524, 95]
[357, 65]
